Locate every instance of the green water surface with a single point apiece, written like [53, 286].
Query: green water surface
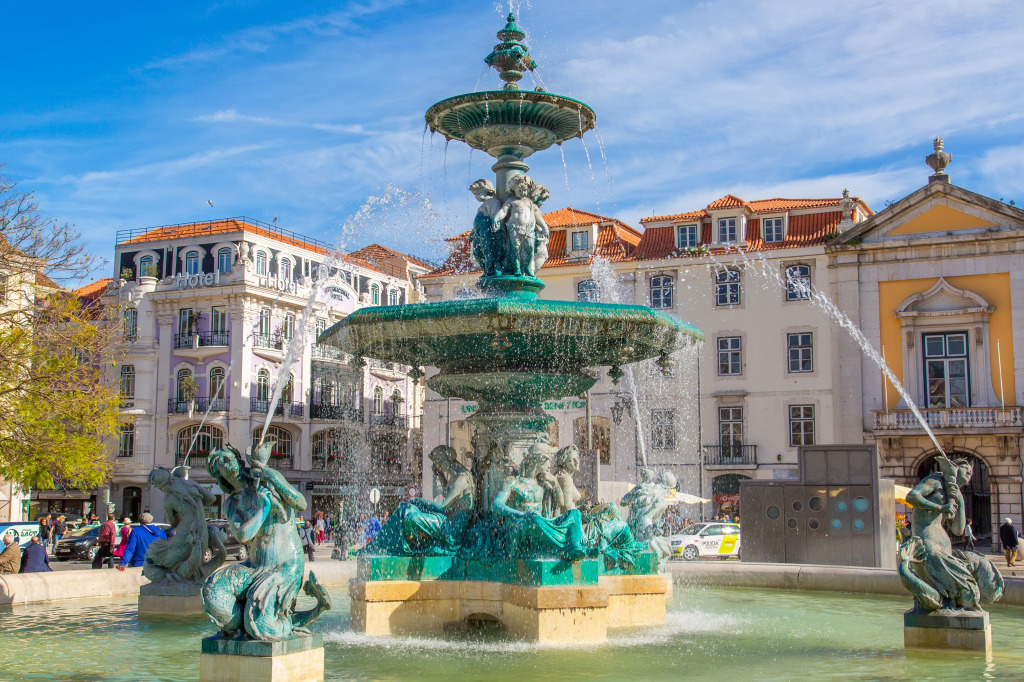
[711, 634]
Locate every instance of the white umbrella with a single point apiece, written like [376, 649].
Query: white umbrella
[684, 498]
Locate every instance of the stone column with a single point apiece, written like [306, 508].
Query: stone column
[163, 441]
[510, 162]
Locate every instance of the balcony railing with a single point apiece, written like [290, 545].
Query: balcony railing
[320, 351]
[194, 460]
[273, 342]
[262, 406]
[730, 454]
[390, 366]
[951, 418]
[201, 340]
[282, 463]
[335, 412]
[396, 421]
[200, 405]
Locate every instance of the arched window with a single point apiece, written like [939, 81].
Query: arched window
[218, 390]
[224, 260]
[131, 323]
[146, 267]
[392, 297]
[375, 294]
[727, 287]
[192, 263]
[661, 292]
[199, 441]
[288, 390]
[588, 290]
[261, 263]
[181, 386]
[798, 283]
[378, 400]
[127, 388]
[285, 271]
[263, 384]
[282, 441]
[126, 440]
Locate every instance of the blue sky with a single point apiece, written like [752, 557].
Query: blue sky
[128, 115]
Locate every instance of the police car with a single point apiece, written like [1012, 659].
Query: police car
[703, 540]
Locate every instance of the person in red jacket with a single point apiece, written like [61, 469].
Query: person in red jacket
[105, 541]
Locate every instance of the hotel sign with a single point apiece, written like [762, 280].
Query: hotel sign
[282, 285]
[200, 279]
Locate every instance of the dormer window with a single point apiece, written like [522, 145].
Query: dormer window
[261, 263]
[726, 230]
[773, 230]
[687, 236]
[224, 260]
[580, 241]
[286, 270]
[192, 263]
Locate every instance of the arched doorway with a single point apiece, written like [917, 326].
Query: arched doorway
[977, 496]
[725, 491]
[131, 502]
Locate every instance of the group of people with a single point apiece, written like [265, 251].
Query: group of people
[32, 559]
[52, 530]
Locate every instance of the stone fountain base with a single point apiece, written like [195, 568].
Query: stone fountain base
[177, 601]
[965, 631]
[299, 659]
[549, 614]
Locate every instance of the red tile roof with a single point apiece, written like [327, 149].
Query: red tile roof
[93, 290]
[375, 253]
[776, 205]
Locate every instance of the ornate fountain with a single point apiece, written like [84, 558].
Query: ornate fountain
[509, 541]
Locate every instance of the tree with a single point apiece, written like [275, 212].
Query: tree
[57, 402]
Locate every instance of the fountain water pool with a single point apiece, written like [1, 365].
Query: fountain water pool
[710, 633]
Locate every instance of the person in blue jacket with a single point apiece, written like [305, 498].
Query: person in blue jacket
[139, 541]
[33, 558]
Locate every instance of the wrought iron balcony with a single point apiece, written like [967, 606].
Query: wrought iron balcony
[319, 351]
[273, 342]
[196, 460]
[730, 454]
[262, 406]
[346, 413]
[199, 404]
[392, 420]
[951, 418]
[201, 340]
[283, 463]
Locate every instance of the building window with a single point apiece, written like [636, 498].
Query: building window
[186, 322]
[687, 236]
[600, 436]
[580, 241]
[661, 292]
[131, 323]
[224, 260]
[282, 439]
[392, 297]
[801, 352]
[378, 400]
[127, 388]
[180, 392]
[945, 368]
[285, 269]
[727, 287]
[288, 390]
[798, 283]
[218, 391]
[146, 267]
[200, 441]
[261, 263]
[663, 429]
[264, 324]
[126, 440]
[726, 230]
[801, 425]
[588, 290]
[772, 230]
[375, 294]
[730, 356]
[218, 320]
[730, 432]
[288, 331]
[263, 385]
[321, 327]
[192, 263]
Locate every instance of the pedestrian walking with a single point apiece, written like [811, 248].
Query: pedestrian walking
[60, 527]
[1008, 535]
[139, 541]
[321, 528]
[10, 558]
[126, 531]
[34, 559]
[105, 541]
[44, 530]
[969, 536]
[308, 538]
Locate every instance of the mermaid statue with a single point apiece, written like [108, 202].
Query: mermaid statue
[255, 599]
[607, 536]
[528, 534]
[943, 579]
[423, 527]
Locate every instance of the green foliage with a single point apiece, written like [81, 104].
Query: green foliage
[150, 271]
[127, 273]
[189, 388]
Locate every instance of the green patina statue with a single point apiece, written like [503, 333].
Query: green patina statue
[255, 599]
[943, 579]
[179, 559]
[423, 527]
[648, 502]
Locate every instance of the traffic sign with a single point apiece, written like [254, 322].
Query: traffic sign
[374, 496]
[411, 491]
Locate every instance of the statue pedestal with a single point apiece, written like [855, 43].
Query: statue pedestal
[965, 630]
[174, 600]
[299, 659]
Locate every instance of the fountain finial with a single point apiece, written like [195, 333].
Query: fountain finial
[938, 162]
[511, 56]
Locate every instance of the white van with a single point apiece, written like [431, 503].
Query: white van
[22, 532]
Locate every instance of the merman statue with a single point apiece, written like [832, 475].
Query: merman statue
[519, 501]
[942, 578]
[567, 463]
[423, 527]
[647, 503]
[520, 217]
[489, 238]
[542, 234]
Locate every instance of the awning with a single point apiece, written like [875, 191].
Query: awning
[901, 493]
[61, 495]
[684, 498]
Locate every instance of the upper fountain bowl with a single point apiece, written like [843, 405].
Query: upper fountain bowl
[517, 122]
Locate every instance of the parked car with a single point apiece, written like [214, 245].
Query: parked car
[234, 548]
[704, 540]
[82, 543]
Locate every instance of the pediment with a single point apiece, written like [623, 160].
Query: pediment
[943, 299]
